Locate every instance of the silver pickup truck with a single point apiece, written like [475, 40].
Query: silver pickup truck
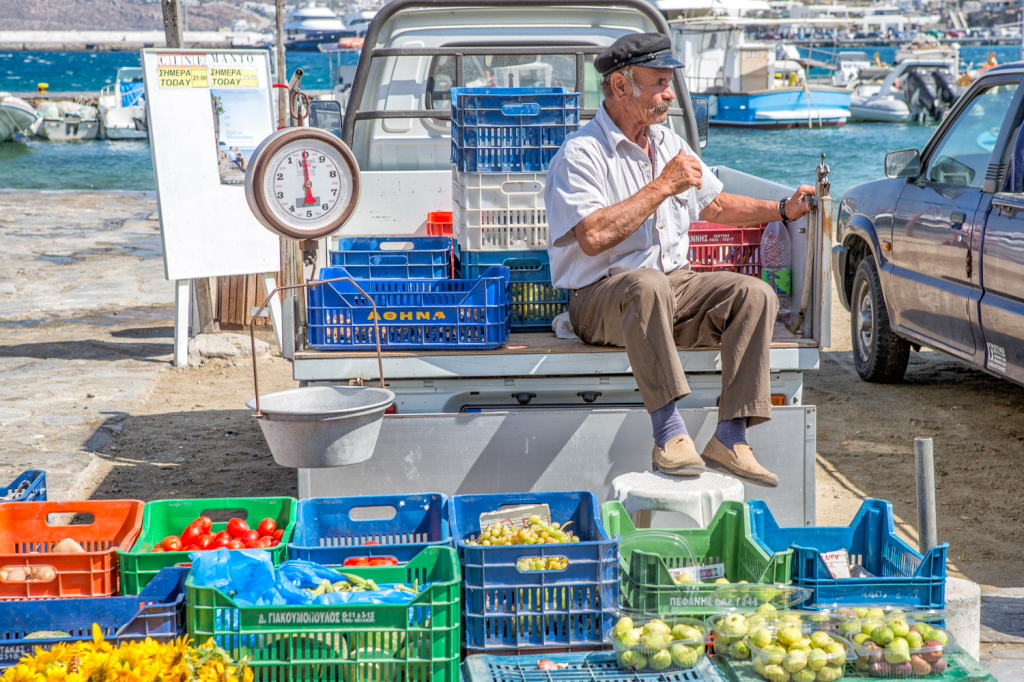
[539, 413]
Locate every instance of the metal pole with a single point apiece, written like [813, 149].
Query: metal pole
[282, 98]
[927, 536]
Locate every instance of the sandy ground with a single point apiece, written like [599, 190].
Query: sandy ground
[193, 436]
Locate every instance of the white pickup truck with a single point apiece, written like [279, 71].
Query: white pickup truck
[539, 413]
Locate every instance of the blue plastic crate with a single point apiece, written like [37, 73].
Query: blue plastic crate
[903, 575]
[161, 616]
[395, 257]
[535, 303]
[510, 130]
[327, 532]
[508, 608]
[415, 314]
[589, 667]
[30, 486]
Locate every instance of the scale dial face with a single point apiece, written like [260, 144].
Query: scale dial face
[303, 183]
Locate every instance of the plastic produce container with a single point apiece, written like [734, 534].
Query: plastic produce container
[439, 224]
[158, 612]
[414, 314]
[328, 531]
[534, 302]
[651, 556]
[735, 631]
[170, 517]
[655, 645]
[30, 486]
[715, 247]
[394, 257]
[821, 657]
[509, 609]
[899, 646]
[902, 575]
[510, 130]
[380, 643]
[30, 530]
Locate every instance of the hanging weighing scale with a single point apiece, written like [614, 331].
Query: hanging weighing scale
[303, 183]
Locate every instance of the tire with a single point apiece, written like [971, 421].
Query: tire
[880, 355]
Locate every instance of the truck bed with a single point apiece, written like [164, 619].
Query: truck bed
[528, 354]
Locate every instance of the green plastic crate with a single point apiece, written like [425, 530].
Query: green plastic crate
[414, 642]
[962, 668]
[647, 586]
[170, 517]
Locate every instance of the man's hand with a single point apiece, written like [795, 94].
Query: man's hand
[798, 205]
[680, 174]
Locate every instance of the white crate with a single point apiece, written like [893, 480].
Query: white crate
[499, 210]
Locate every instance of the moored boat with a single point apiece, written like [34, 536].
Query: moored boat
[16, 115]
[122, 106]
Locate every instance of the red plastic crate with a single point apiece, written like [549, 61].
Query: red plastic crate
[715, 247]
[27, 538]
[439, 224]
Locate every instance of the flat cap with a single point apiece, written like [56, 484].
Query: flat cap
[653, 50]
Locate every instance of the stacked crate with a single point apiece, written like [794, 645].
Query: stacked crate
[502, 142]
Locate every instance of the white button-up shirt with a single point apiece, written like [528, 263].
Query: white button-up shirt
[597, 167]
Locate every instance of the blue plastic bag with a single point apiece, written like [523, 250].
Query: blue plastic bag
[248, 577]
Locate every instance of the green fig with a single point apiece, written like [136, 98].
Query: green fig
[625, 623]
[789, 636]
[794, 661]
[939, 636]
[775, 673]
[897, 652]
[860, 611]
[632, 660]
[656, 626]
[914, 640]
[739, 651]
[805, 675]
[817, 659]
[819, 639]
[661, 660]
[830, 673]
[882, 636]
[773, 654]
[684, 656]
[899, 627]
[860, 638]
[765, 607]
[761, 637]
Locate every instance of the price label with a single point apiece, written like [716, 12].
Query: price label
[838, 563]
[517, 517]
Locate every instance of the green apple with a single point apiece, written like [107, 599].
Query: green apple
[684, 656]
[882, 635]
[794, 661]
[661, 660]
[761, 637]
[805, 675]
[739, 651]
[817, 659]
[788, 636]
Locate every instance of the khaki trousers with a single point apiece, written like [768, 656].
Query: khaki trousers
[651, 313]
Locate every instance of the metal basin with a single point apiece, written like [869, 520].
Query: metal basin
[322, 426]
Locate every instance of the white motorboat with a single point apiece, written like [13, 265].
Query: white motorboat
[311, 20]
[66, 121]
[915, 89]
[16, 115]
[122, 106]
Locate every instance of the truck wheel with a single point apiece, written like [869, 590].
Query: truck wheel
[879, 355]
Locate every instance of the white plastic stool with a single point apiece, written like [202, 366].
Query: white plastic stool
[644, 492]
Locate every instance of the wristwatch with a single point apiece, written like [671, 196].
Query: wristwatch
[782, 209]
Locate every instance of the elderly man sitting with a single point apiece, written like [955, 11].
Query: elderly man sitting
[620, 196]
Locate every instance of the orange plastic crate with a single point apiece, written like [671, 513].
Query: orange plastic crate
[439, 224]
[715, 247]
[27, 539]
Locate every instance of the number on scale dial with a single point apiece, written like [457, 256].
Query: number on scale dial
[304, 183]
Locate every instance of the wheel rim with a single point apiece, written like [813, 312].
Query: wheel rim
[864, 321]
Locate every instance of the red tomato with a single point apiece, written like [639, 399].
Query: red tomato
[205, 542]
[263, 543]
[223, 534]
[158, 548]
[371, 542]
[267, 527]
[273, 542]
[357, 561]
[237, 528]
[279, 534]
[189, 548]
[171, 543]
[383, 561]
[190, 535]
[219, 542]
[250, 536]
[236, 544]
[205, 523]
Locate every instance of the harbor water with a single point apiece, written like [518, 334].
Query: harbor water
[855, 152]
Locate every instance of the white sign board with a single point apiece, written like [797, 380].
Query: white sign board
[208, 109]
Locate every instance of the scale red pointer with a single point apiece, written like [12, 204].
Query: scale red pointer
[308, 185]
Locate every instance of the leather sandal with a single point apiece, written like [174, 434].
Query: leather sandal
[678, 458]
[738, 461]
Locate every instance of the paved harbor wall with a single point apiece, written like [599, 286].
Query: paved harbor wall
[123, 41]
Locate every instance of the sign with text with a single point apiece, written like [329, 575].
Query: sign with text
[182, 70]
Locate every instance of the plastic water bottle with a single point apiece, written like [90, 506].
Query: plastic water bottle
[776, 265]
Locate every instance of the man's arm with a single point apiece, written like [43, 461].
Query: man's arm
[606, 227]
[734, 209]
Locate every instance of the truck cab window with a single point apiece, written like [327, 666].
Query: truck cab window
[963, 155]
[500, 71]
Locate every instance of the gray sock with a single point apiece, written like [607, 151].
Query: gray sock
[732, 431]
